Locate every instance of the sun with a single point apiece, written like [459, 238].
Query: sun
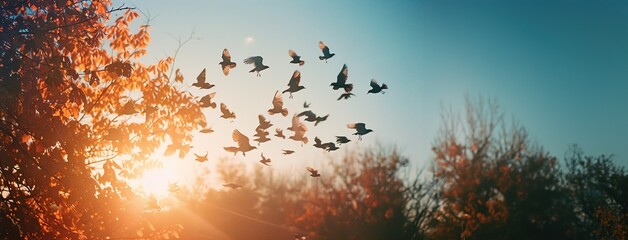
[155, 182]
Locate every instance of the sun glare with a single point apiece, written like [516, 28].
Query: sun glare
[155, 182]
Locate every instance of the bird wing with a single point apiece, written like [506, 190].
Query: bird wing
[374, 83]
[201, 77]
[224, 109]
[226, 57]
[262, 119]
[312, 170]
[342, 76]
[240, 138]
[360, 127]
[308, 114]
[256, 60]
[295, 80]
[323, 47]
[292, 53]
[348, 87]
[277, 100]
[295, 122]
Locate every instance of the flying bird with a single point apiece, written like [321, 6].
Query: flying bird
[299, 130]
[278, 105]
[296, 59]
[311, 117]
[264, 160]
[326, 54]
[287, 152]
[206, 101]
[232, 185]
[201, 158]
[226, 113]
[341, 80]
[226, 63]
[262, 136]
[342, 140]
[318, 143]
[313, 172]
[200, 81]
[360, 129]
[348, 88]
[263, 123]
[242, 141]
[279, 133]
[376, 88]
[293, 85]
[207, 130]
[306, 105]
[257, 62]
[330, 146]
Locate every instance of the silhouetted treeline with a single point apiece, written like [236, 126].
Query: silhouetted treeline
[487, 181]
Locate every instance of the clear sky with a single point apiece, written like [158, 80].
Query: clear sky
[558, 67]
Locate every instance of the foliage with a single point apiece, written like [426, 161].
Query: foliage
[598, 189]
[79, 118]
[492, 183]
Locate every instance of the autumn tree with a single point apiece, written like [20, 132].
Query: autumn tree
[493, 182]
[79, 113]
[598, 189]
[365, 195]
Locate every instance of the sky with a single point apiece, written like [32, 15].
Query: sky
[560, 68]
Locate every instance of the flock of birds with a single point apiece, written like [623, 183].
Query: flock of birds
[299, 128]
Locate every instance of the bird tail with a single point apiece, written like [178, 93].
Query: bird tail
[301, 63]
[252, 70]
[384, 86]
[348, 87]
[233, 65]
[305, 140]
[213, 105]
[284, 112]
[321, 57]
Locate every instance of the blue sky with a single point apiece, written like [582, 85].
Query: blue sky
[560, 68]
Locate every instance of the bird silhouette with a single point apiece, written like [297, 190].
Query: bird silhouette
[341, 80]
[200, 81]
[226, 113]
[263, 123]
[360, 129]
[278, 105]
[287, 152]
[330, 146]
[311, 117]
[313, 172]
[279, 133]
[201, 158]
[232, 185]
[257, 62]
[348, 88]
[226, 63]
[318, 143]
[342, 140]
[326, 54]
[262, 136]
[206, 101]
[306, 105]
[264, 160]
[293, 84]
[178, 76]
[242, 141]
[296, 59]
[299, 130]
[376, 88]
[207, 130]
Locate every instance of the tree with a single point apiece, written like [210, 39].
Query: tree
[77, 118]
[598, 189]
[493, 183]
[365, 196]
